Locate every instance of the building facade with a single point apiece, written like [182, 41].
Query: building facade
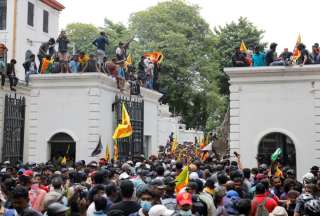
[25, 24]
[67, 114]
[273, 107]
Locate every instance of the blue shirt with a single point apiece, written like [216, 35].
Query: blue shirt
[258, 59]
[101, 43]
[74, 66]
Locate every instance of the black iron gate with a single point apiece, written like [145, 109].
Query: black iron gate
[13, 128]
[133, 145]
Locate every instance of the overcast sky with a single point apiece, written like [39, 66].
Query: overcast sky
[282, 20]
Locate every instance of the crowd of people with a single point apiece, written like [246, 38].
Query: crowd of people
[142, 186]
[257, 58]
[119, 66]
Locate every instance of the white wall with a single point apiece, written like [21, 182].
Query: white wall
[27, 33]
[275, 99]
[168, 124]
[80, 105]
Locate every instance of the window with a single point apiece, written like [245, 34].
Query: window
[45, 21]
[30, 14]
[3, 14]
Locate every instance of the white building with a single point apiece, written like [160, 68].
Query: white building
[25, 24]
[169, 124]
[274, 107]
[73, 110]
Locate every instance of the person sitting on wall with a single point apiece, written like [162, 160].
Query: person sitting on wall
[11, 73]
[91, 65]
[239, 58]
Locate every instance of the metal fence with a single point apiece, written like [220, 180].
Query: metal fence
[134, 144]
[13, 128]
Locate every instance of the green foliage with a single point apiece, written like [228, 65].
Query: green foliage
[228, 37]
[116, 32]
[82, 35]
[189, 72]
[191, 75]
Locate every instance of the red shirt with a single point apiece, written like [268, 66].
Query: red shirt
[270, 204]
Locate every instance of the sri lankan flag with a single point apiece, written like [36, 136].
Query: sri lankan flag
[124, 129]
[155, 57]
[182, 180]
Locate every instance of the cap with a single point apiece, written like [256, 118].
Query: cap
[278, 211]
[124, 176]
[193, 175]
[56, 208]
[160, 210]
[28, 173]
[157, 183]
[184, 199]
[232, 193]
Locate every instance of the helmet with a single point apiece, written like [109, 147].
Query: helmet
[306, 197]
[312, 207]
[308, 178]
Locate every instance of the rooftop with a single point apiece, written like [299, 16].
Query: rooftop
[54, 4]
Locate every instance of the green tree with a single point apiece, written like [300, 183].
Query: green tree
[228, 37]
[81, 36]
[116, 33]
[189, 71]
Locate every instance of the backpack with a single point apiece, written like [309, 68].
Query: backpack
[261, 209]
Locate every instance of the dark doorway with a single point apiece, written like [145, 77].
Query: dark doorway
[62, 145]
[270, 142]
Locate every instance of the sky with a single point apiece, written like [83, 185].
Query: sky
[282, 20]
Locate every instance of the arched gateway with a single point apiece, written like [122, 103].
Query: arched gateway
[270, 142]
[62, 145]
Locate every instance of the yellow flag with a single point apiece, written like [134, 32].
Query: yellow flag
[124, 129]
[107, 156]
[243, 47]
[64, 161]
[296, 53]
[174, 146]
[129, 60]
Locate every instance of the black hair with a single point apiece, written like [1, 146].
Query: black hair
[222, 178]
[99, 177]
[288, 184]
[102, 33]
[179, 165]
[260, 188]
[94, 191]
[254, 170]
[57, 182]
[210, 183]
[13, 61]
[266, 183]
[20, 192]
[110, 189]
[100, 203]
[160, 170]
[126, 188]
[246, 173]
[244, 206]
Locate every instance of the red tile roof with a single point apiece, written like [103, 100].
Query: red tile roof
[54, 4]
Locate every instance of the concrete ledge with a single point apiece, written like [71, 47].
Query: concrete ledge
[273, 73]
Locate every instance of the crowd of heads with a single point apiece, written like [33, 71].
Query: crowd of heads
[52, 60]
[214, 186]
[258, 57]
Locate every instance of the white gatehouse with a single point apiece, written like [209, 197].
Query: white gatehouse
[274, 107]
